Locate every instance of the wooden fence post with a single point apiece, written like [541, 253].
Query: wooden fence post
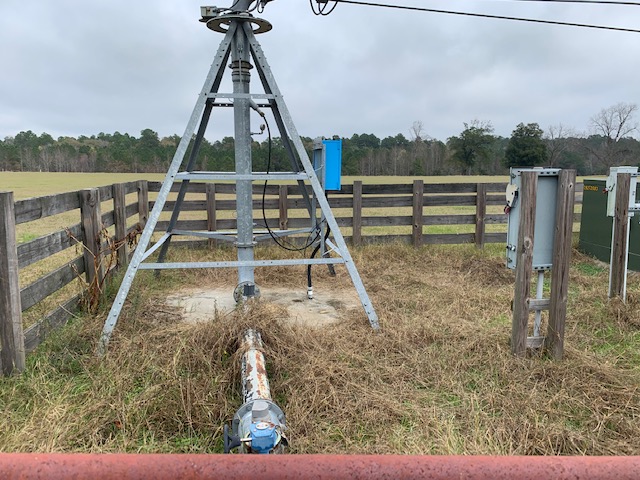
[91, 227]
[620, 237]
[554, 340]
[282, 207]
[356, 228]
[143, 203]
[524, 266]
[11, 336]
[210, 191]
[120, 220]
[481, 213]
[418, 204]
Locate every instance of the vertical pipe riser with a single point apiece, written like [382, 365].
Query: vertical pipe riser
[242, 129]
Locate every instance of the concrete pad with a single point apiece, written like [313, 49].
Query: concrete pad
[200, 305]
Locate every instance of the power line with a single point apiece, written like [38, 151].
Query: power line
[595, 2]
[498, 17]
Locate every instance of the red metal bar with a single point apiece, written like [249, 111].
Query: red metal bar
[21, 466]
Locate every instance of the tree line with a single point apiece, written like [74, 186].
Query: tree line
[475, 151]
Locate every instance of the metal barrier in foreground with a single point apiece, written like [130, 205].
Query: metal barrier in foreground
[35, 466]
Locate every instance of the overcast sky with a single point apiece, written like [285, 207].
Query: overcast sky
[84, 67]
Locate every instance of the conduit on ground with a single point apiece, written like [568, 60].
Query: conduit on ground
[354, 467]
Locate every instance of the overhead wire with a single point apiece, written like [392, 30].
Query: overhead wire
[322, 7]
[484, 15]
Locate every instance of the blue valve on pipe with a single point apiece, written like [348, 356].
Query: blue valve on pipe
[264, 437]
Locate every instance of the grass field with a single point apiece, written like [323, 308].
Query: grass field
[438, 379]
[36, 184]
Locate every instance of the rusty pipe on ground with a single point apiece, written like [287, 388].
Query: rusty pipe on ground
[255, 383]
[258, 425]
[34, 466]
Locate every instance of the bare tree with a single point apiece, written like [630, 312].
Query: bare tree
[416, 132]
[558, 139]
[613, 125]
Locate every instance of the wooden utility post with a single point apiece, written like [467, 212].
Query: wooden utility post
[120, 220]
[524, 266]
[481, 213]
[356, 225]
[210, 193]
[418, 215]
[619, 246]
[283, 211]
[11, 335]
[91, 221]
[554, 341]
[143, 203]
[553, 251]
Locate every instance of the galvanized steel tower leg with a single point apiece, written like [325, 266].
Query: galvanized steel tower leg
[211, 83]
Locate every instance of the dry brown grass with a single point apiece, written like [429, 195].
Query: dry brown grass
[438, 379]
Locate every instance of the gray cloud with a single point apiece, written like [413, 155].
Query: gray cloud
[73, 68]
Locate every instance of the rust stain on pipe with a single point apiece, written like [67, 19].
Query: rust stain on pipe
[20, 466]
[254, 373]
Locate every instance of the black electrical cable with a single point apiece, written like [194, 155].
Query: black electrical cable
[280, 241]
[313, 254]
[482, 15]
[323, 9]
[322, 12]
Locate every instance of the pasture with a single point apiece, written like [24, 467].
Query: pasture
[438, 379]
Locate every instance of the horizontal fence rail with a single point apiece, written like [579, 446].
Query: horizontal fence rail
[85, 236]
[359, 207]
[371, 213]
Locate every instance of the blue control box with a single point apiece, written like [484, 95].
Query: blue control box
[333, 157]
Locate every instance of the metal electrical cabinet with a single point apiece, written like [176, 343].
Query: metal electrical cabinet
[327, 162]
[595, 225]
[333, 164]
[546, 197]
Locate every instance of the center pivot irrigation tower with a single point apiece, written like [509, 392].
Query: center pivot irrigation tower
[239, 43]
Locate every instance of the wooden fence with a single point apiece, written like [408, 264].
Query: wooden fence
[372, 213]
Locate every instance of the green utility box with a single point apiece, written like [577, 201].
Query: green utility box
[595, 226]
